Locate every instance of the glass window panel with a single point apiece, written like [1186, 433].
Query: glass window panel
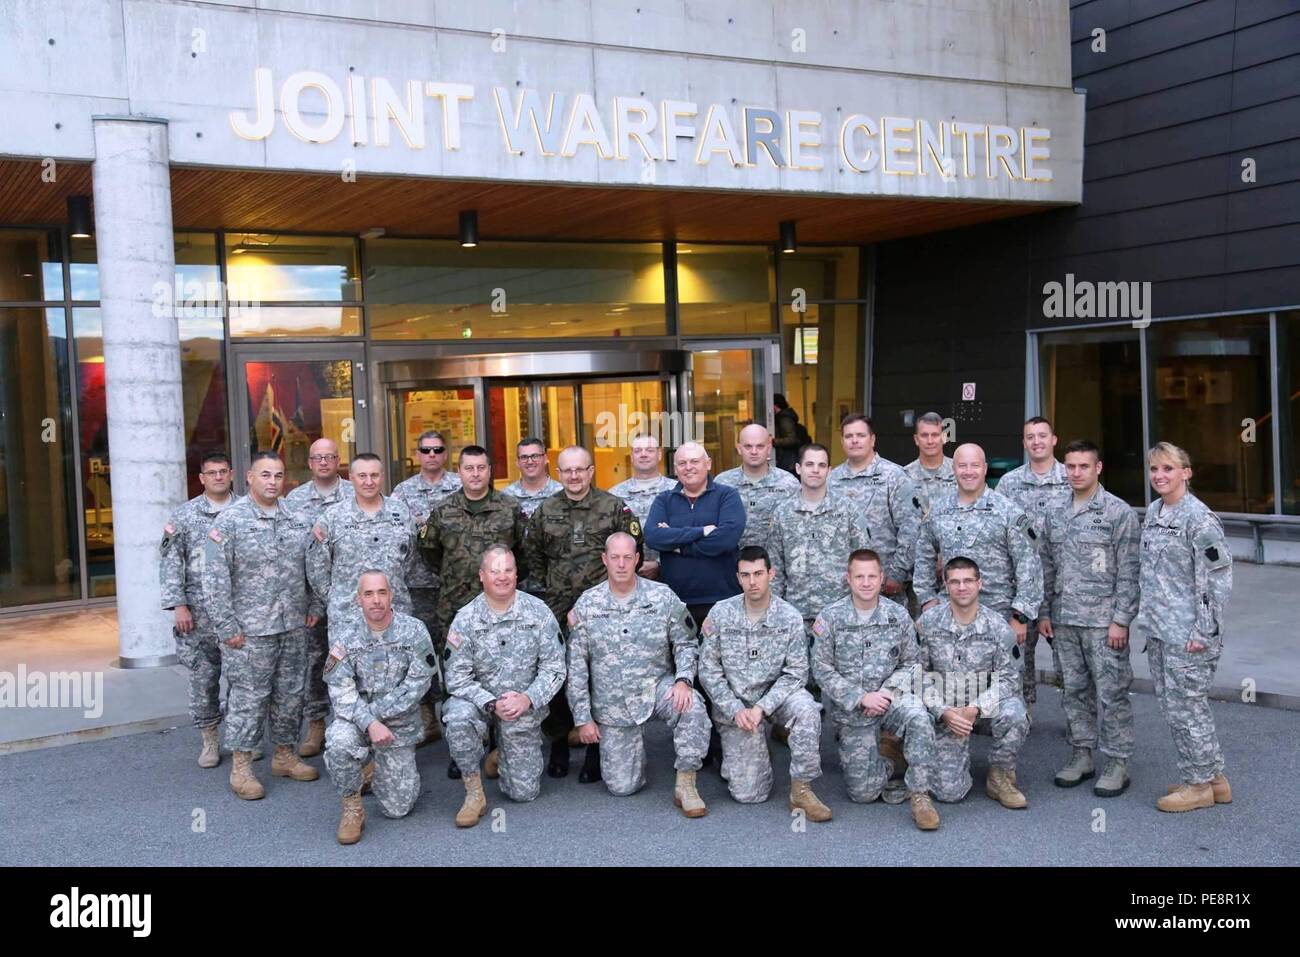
[723, 290]
[198, 278]
[294, 321]
[821, 272]
[727, 395]
[428, 289]
[1288, 364]
[96, 466]
[83, 270]
[262, 267]
[1208, 377]
[31, 265]
[1091, 388]
[559, 422]
[510, 422]
[614, 412]
[292, 404]
[202, 334]
[39, 553]
[823, 373]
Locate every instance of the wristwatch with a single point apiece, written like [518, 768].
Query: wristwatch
[491, 706]
[1021, 617]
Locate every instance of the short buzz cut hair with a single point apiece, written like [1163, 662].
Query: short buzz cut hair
[754, 553]
[530, 440]
[865, 555]
[1039, 420]
[496, 548]
[261, 454]
[368, 457]
[430, 434]
[214, 456]
[1082, 445]
[812, 447]
[960, 562]
[374, 571]
[474, 450]
[927, 418]
[857, 417]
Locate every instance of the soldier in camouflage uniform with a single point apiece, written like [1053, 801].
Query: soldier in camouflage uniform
[535, 484]
[754, 665]
[371, 531]
[880, 494]
[326, 488]
[931, 472]
[380, 665]
[632, 649]
[505, 664]
[255, 589]
[640, 490]
[761, 485]
[813, 533]
[1090, 588]
[563, 550]
[180, 568]
[866, 660]
[976, 523]
[1038, 487]
[1185, 581]
[971, 685]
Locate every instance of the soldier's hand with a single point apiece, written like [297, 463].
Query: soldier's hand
[236, 642]
[184, 620]
[1117, 636]
[1194, 646]
[680, 696]
[379, 733]
[313, 621]
[875, 703]
[748, 719]
[957, 722]
[1045, 628]
[1021, 630]
[649, 570]
[892, 586]
[709, 530]
[589, 733]
[511, 705]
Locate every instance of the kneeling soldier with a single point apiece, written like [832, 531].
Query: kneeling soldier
[505, 664]
[866, 659]
[632, 657]
[379, 667]
[754, 665]
[965, 648]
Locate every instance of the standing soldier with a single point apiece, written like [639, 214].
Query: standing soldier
[754, 665]
[326, 488]
[563, 550]
[969, 652]
[1037, 487]
[866, 660]
[640, 491]
[420, 493]
[1185, 582]
[632, 648]
[813, 534]
[180, 573]
[535, 485]
[881, 495]
[931, 471]
[255, 589]
[505, 664]
[973, 522]
[379, 667]
[1090, 594]
[760, 484]
[459, 531]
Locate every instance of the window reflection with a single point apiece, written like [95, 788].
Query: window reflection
[723, 290]
[31, 265]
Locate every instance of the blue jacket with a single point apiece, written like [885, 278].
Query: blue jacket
[699, 570]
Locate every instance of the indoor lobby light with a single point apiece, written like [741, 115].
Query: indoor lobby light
[469, 228]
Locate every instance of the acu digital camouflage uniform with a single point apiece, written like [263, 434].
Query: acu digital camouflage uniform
[420, 496]
[810, 547]
[854, 654]
[929, 485]
[307, 500]
[454, 539]
[624, 657]
[1090, 580]
[639, 496]
[255, 585]
[760, 498]
[975, 664]
[1185, 582]
[745, 663]
[346, 541]
[491, 653]
[881, 497]
[378, 676]
[529, 502]
[180, 574]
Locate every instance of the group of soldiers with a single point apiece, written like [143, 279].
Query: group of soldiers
[905, 602]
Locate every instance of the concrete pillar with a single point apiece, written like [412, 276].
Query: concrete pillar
[142, 370]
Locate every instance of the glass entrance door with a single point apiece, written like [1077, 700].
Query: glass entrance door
[728, 386]
[450, 407]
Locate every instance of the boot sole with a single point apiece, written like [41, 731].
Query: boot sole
[290, 775]
[699, 812]
[1009, 807]
[209, 764]
[925, 827]
[1067, 783]
[1111, 792]
[473, 822]
[1181, 810]
[1217, 799]
[808, 814]
[248, 797]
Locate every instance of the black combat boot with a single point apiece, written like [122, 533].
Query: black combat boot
[590, 766]
[453, 772]
[558, 766]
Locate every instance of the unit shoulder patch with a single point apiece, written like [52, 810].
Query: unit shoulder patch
[337, 654]
[214, 533]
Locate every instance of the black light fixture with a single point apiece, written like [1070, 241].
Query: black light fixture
[787, 236]
[469, 228]
[79, 222]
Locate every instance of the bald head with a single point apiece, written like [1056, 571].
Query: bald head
[754, 446]
[323, 458]
[619, 541]
[971, 469]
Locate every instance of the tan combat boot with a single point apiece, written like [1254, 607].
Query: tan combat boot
[475, 805]
[286, 764]
[1220, 786]
[314, 743]
[923, 812]
[432, 729]
[1001, 787]
[1187, 797]
[367, 776]
[803, 798]
[492, 765]
[353, 820]
[686, 797]
[210, 756]
[242, 780]
[891, 747]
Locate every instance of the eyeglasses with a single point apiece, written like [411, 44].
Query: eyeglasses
[321, 458]
[432, 449]
[575, 472]
[532, 457]
[216, 473]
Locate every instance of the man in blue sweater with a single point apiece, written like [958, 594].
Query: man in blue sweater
[696, 528]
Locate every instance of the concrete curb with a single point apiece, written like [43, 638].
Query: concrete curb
[1267, 699]
[94, 734]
